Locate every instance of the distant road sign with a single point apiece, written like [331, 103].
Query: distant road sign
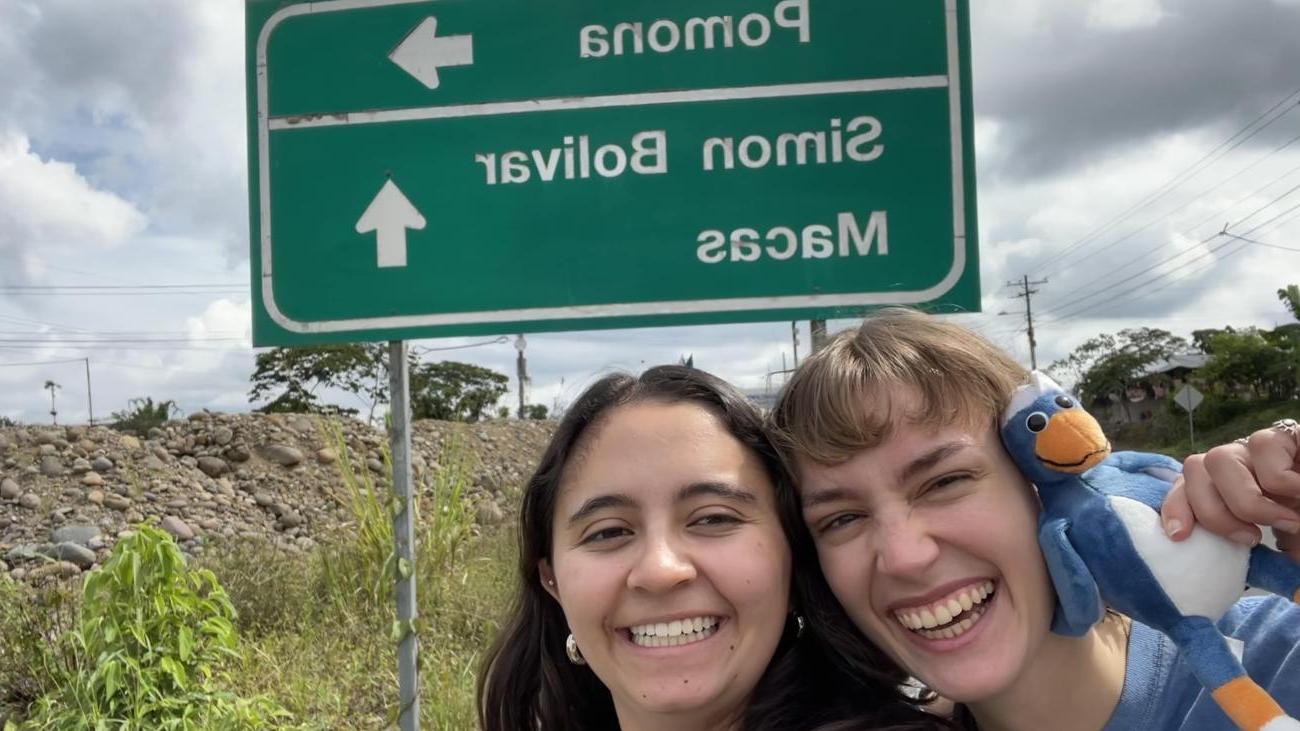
[1188, 398]
[455, 167]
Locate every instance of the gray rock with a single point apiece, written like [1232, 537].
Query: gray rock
[5, 443]
[238, 453]
[25, 552]
[102, 464]
[47, 437]
[281, 454]
[263, 499]
[57, 569]
[31, 501]
[375, 464]
[489, 513]
[153, 463]
[95, 497]
[9, 490]
[291, 519]
[213, 466]
[131, 443]
[46, 449]
[116, 502]
[178, 528]
[81, 535]
[82, 557]
[223, 435]
[80, 466]
[51, 466]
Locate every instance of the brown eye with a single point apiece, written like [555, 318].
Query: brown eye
[1036, 422]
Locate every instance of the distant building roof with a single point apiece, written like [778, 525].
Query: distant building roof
[1190, 361]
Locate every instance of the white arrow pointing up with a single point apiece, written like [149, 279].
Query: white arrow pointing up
[390, 214]
[421, 53]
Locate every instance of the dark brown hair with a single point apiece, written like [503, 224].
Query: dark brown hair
[526, 682]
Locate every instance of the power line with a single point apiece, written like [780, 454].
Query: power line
[1261, 243]
[1162, 262]
[41, 363]
[1142, 292]
[1230, 144]
[225, 285]
[1169, 215]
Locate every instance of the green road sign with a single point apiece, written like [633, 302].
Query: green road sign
[450, 167]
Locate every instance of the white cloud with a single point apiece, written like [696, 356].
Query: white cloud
[1124, 14]
[47, 208]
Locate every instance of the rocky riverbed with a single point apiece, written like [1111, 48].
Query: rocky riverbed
[68, 493]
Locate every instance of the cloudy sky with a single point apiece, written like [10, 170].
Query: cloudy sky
[1115, 138]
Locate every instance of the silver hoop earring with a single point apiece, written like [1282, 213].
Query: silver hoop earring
[571, 649]
[799, 625]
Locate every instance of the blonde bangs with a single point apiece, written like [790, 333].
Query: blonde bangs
[898, 366]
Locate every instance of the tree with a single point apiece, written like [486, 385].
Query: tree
[51, 386]
[142, 414]
[6, 421]
[1290, 296]
[453, 391]
[536, 412]
[1111, 364]
[292, 376]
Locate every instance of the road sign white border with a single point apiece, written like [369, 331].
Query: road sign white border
[538, 314]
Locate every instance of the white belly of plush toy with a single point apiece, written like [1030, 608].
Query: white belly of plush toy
[1203, 575]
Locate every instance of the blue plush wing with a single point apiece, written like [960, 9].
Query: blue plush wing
[1140, 476]
[1155, 465]
[1079, 604]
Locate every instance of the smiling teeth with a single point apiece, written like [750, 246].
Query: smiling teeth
[925, 620]
[674, 633]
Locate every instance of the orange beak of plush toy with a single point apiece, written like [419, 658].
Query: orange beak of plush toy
[1072, 442]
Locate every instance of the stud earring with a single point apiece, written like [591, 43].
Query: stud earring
[550, 582]
[571, 649]
[799, 625]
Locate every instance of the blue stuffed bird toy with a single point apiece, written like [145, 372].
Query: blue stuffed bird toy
[1101, 535]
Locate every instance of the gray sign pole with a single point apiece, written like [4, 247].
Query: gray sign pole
[408, 647]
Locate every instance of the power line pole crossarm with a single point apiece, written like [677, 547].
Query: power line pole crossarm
[1027, 295]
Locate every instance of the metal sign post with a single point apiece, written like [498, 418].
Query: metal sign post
[408, 646]
[1189, 398]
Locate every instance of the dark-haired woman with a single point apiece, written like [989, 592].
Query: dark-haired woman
[656, 544]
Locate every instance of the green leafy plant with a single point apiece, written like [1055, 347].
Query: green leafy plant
[151, 640]
[142, 414]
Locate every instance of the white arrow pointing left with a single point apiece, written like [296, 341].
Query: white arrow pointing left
[389, 215]
[422, 53]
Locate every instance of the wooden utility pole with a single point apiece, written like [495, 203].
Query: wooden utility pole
[1027, 295]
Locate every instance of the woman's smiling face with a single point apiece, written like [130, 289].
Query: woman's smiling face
[929, 540]
[669, 561]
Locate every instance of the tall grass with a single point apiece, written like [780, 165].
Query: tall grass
[316, 628]
[320, 626]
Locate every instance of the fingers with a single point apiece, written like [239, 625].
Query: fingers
[1273, 454]
[1176, 513]
[1230, 469]
[1289, 544]
[1210, 508]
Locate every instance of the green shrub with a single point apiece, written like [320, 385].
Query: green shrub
[150, 643]
[142, 414]
[32, 661]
